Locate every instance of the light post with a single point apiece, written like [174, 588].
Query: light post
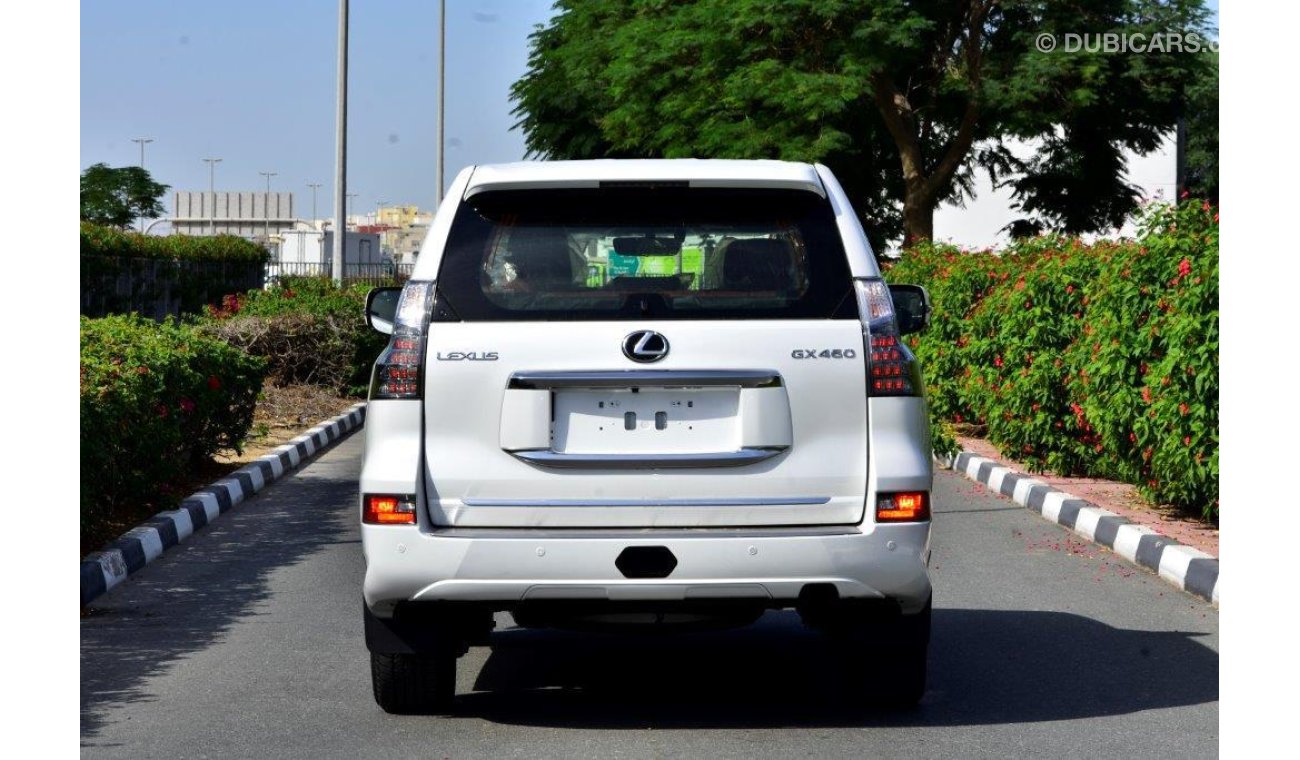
[442, 88]
[313, 186]
[341, 147]
[266, 202]
[143, 141]
[212, 188]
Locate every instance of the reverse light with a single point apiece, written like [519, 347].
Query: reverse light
[892, 369]
[398, 370]
[388, 509]
[908, 506]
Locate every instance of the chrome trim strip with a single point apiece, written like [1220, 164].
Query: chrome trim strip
[768, 502]
[665, 378]
[665, 534]
[646, 461]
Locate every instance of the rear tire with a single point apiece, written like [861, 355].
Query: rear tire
[886, 656]
[414, 684]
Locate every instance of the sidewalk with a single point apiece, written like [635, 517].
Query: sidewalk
[1120, 498]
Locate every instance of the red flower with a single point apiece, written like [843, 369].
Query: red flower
[1097, 448]
[187, 405]
[1187, 440]
[1069, 288]
[161, 410]
[142, 370]
[997, 361]
[1132, 438]
[1205, 205]
[214, 383]
[1182, 409]
[1184, 194]
[1184, 267]
[1146, 394]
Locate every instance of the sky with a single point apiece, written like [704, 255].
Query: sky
[253, 83]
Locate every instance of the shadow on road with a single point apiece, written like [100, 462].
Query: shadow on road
[188, 599]
[986, 667]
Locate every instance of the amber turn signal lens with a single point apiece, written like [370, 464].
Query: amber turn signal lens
[388, 510]
[910, 506]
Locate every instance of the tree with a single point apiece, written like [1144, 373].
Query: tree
[117, 196]
[1202, 158]
[903, 99]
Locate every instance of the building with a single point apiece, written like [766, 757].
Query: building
[252, 215]
[311, 252]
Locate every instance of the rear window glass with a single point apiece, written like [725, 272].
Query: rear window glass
[637, 253]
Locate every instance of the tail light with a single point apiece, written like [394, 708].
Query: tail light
[892, 369]
[387, 509]
[398, 371]
[909, 506]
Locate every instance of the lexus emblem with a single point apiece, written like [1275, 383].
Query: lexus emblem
[645, 346]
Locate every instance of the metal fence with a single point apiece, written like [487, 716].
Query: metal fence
[386, 273]
[159, 288]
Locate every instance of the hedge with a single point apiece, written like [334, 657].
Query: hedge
[97, 240]
[155, 399]
[308, 329]
[1097, 360]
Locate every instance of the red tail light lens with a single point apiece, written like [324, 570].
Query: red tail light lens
[385, 509]
[397, 373]
[907, 506]
[892, 369]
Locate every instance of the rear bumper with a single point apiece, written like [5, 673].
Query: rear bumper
[771, 568]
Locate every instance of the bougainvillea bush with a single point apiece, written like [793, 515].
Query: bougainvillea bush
[1082, 359]
[155, 399]
[308, 329]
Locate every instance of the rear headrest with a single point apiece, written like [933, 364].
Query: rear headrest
[541, 254]
[757, 264]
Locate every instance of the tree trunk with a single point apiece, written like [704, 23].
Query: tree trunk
[918, 219]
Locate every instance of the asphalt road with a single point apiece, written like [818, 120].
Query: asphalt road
[246, 642]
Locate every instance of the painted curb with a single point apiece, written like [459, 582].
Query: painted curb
[1191, 570]
[102, 570]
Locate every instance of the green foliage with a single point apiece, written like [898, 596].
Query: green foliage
[1085, 359]
[118, 196]
[1202, 179]
[99, 240]
[125, 272]
[308, 329]
[155, 398]
[904, 100]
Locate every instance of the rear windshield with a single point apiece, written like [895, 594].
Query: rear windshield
[637, 253]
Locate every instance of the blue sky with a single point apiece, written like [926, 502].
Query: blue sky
[253, 84]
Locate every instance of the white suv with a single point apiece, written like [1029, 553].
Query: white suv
[645, 393]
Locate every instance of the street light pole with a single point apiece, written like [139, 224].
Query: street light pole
[212, 188]
[266, 203]
[313, 186]
[442, 88]
[341, 148]
[142, 141]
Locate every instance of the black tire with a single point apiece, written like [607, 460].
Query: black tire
[906, 670]
[884, 657]
[414, 684]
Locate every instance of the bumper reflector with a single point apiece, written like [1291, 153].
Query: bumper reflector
[909, 506]
[387, 509]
